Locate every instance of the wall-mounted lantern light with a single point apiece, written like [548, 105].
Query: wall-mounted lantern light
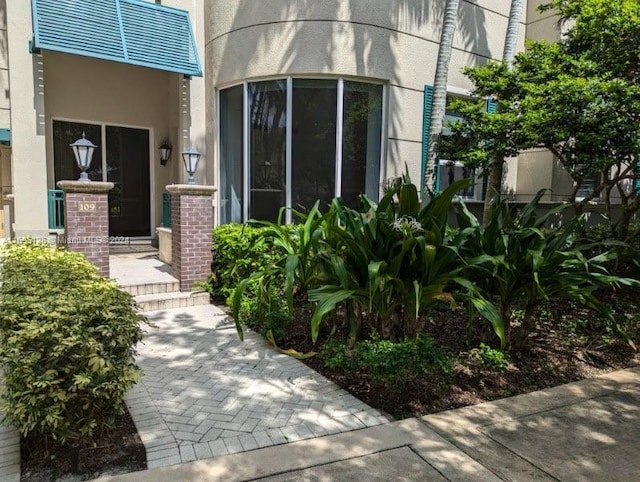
[83, 152]
[165, 152]
[191, 157]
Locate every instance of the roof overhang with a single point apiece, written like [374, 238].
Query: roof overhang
[128, 31]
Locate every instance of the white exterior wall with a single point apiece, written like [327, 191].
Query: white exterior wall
[392, 41]
[192, 106]
[5, 123]
[541, 25]
[28, 129]
[5, 104]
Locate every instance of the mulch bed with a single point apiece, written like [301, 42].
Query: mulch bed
[570, 343]
[116, 451]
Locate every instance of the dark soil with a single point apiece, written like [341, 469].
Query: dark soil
[570, 343]
[116, 451]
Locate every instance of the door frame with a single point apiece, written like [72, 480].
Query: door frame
[103, 149]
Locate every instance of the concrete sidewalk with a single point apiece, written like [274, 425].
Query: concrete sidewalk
[582, 431]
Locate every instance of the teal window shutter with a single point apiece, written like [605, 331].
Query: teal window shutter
[492, 106]
[426, 122]
[636, 178]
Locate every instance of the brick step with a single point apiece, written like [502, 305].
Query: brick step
[151, 288]
[176, 299]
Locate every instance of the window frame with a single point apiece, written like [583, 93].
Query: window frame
[246, 137]
[584, 191]
[478, 187]
[478, 182]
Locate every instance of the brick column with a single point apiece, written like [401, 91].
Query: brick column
[191, 225]
[86, 220]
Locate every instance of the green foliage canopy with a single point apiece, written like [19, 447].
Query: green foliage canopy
[578, 97]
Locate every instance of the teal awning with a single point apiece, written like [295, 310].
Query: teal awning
[129, 31]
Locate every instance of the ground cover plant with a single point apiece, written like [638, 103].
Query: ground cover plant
[67, 338]
[414, 316]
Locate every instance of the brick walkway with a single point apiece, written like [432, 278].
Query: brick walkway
[206, 394]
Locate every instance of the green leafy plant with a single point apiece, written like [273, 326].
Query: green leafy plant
[490, 357]
[517, 266]
[577, 97]
[377, 267]
[628, 261]
[391, 261]
[67, 339]
[238, 250]
[290, 271]
[260, 307]
[386, 360]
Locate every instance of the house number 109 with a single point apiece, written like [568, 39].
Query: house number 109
[87, 207]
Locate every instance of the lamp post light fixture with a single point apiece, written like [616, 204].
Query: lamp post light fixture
[165, 152]
[83, 152]
[191, 157]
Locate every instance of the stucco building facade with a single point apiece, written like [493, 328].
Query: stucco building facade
[55, 94]
[297, 101]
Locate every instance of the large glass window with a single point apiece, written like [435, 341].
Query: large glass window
[268, 118]
[361, 141]
[313, 145]
[291, 142]
[231, 165]
[587, 187]
[451, 171]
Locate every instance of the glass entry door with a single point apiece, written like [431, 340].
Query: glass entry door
[122, 157]
[128, 170]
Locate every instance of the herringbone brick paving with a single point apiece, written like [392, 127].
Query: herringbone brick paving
[205, 393]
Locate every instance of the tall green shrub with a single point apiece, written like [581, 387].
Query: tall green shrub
[294, 267]
[238, 250]
[67, 339]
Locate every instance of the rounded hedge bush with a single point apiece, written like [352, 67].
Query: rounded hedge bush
[67, 342]
[239, 250]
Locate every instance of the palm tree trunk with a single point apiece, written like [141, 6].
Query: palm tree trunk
[511, 38]
[496, 171]
[440, 92]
